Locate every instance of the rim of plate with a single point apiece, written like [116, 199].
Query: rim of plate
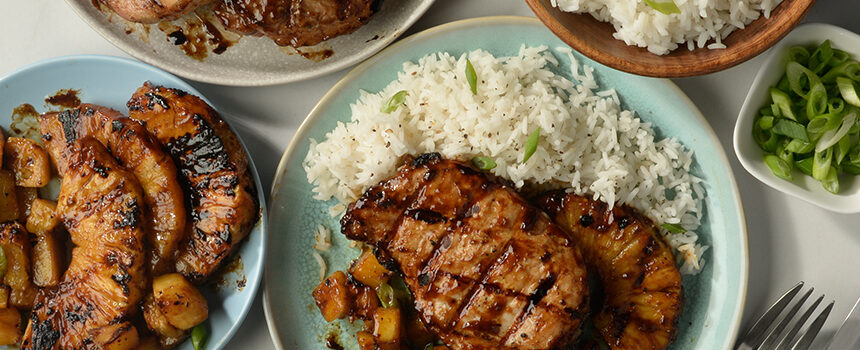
[252, 287]
[156, 60]
[301, 134]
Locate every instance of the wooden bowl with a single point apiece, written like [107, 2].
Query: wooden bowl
[594, 39]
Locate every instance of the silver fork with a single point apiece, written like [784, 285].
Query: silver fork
[769, 331]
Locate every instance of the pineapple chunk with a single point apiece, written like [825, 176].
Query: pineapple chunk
[28, 160]
[367, 270]
[8, 197]
[386, 325]
[42, 217]
[333, 297]
[10, 326]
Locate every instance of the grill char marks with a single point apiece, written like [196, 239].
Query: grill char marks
[107, 275]
[642, 285]
[130, 143]
[470, 251]
[213, 171]
[294, 22]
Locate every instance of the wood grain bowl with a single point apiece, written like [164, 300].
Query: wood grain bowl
[594, 39]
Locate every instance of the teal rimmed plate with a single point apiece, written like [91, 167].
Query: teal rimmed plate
[110, 81]
[714, 298]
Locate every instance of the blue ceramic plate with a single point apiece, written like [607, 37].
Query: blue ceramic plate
[715, 297]
[110, 81]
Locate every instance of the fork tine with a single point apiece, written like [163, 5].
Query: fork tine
[756, 334]
[776, 332]
[806, 340]
[795, 330]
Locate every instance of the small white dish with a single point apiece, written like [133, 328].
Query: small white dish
[749, 153]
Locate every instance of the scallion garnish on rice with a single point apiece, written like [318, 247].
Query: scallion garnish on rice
[471, 77]
[664, 7]
[394, 102]
[531, 144]
[484, 163]
[674, 228]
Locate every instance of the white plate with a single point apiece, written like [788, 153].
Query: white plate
[751, 155]
[255, 61]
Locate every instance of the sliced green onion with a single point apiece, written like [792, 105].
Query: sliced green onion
[851, 168]
[386, 295]
[835, 105]
[817, 102]
[471, 77]
[766, 112]
[848, 91]
[531, 144]
[839, 57]
[783, 85]
[674, 228]
[843, 147]
[4, 265]
[798, 54]
[850, 69]
[664, 7]
[394, 102]
[783, 102]
[198, 336]
[796, 74]
[765, 123]
[821, 164]
[791, 129]
[779, 167]
[764, 138]
[831, 137]
[783, 153]
[804, 165]
[831, 181]
[824, 122]
[799, 146]
[484, 163]
[819, 58]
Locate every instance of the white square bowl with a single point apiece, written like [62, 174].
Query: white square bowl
[749, 153]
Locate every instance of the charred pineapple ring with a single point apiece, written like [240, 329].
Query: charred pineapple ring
[642, 285]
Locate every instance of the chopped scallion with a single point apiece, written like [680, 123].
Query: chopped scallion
[848, 91]
[665, 7]
[386, 295]
[531, 144]
[779, 167]
[198, 336]
[471, 77]
[791, 129]
[484, 163]
[674, 228]
[394, 102]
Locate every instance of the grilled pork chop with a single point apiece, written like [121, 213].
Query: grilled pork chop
[136, 150]
[294, 22]
[100, 205]
[213, 169]
[487, 269]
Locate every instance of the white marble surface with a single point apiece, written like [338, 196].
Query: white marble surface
[789, 240]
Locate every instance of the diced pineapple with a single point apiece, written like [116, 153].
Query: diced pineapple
[156, 321]
[386, 325]
[42, 217]
[8, 197]
[179, 301]
[10, 326]
[15, 242]
[332, 297]
[28, 160]
[26, 196]
[48, 260]
[365, 341]
[367, 270]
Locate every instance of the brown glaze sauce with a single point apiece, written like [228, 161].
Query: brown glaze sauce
[197, 35]
[316, 56]
[225, 276]
[66, 98]
[331, 342]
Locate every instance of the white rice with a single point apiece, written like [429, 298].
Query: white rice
[587, 141]
[699, 22]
